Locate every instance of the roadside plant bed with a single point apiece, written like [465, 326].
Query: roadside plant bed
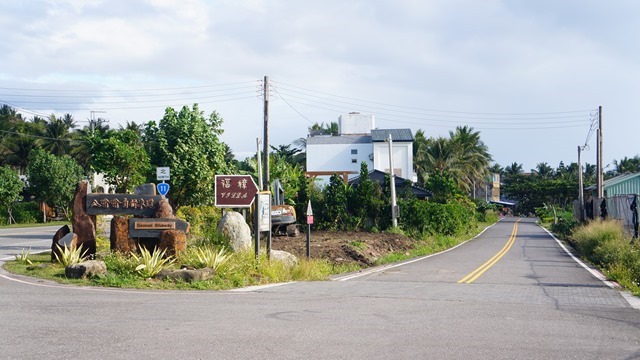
[331, 253]
[240, 270]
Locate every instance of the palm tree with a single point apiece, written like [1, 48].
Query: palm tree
[57, 134]
[496, 169]
[513, 169]
[627, 165]
[543, 170]
[473, 156]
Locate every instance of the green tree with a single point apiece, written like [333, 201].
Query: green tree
[10, 188]
[53, 179]
[121, 157]
[335, 212]
[188, 143]
[57, 134]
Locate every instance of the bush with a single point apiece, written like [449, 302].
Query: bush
[26, 212]
[605, 243]
[565, 225]
[424, 217]
[203, 219]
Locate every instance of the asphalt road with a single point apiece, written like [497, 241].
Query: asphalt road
[530, 301]
[14, 240]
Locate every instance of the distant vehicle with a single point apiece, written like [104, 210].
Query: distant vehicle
[283, 217]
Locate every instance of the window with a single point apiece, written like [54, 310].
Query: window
[354, 151]
[354, 161]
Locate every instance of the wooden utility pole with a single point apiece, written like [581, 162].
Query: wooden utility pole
[265, 173]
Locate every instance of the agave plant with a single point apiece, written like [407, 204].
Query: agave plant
[23, 257]
[68, 256]
[208, 257]
[150, 264]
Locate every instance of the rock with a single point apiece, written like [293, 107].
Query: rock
[145, 189]
[235, 228]
[287, 258]
[56, 237]
[173, 241]
[70, 241]
[164, 210]
[84, 225]
[119, 238]
[186, 275]
[86, 269]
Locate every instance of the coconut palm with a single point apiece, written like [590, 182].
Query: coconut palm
[57, 134]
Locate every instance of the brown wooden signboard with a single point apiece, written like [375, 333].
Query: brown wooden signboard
[151, 228]
[235, 191]
[122, 204]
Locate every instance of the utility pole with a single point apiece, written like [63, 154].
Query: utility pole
[580, 186]
[600, 164]
[265, 173]
[394, 215]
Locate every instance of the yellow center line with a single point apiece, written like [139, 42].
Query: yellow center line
[487, 265]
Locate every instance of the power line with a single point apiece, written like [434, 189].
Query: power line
[40, 137]
[436, 110]
[149, 89]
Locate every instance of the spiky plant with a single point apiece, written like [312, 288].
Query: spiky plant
[151, 263]
[23, 257]
[71, 255]
[208, 257]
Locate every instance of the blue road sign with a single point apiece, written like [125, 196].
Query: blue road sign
[163, 188]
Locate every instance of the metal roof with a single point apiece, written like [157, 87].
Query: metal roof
[622, 184]
[379, 135]
[342, 139]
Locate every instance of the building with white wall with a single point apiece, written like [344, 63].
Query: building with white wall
[359, 142]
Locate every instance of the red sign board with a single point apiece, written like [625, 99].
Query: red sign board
[235, 191]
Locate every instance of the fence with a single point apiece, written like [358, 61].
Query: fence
[623, 208]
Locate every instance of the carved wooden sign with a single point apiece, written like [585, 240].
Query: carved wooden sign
[122, 204]
[151, 228]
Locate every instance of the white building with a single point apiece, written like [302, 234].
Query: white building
[359, 141]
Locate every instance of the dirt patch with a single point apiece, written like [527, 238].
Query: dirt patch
[345, 247]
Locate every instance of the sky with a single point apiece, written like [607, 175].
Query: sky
[528, 75]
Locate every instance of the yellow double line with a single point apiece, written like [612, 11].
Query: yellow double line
[486, 266]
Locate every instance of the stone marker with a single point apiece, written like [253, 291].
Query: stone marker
[83, 224]
[164, 210]
[122, 204]
[173, 241]
[56, 237]
[120, 240]
[145, 189]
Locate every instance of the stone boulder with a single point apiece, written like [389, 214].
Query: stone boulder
[287, 258]
[56, 237]
[119, 237]
[235, 228]
[86, 269]
[173, 242]
[83, 224]
[186, 275]
[145, 189]
[164, 210]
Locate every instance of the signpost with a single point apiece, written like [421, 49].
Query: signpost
[309, 222]
[163, 188]
[235, 191]
[163, 173]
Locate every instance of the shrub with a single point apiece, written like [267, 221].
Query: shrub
[26, 212]
[202, 219]
[565, 225]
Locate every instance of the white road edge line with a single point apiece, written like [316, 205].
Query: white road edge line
[387, 267]
[633, 301]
